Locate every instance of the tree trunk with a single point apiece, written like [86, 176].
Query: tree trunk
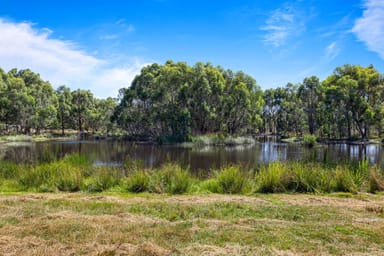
[62, 126]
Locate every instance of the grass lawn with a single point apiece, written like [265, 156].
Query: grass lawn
[152, 224]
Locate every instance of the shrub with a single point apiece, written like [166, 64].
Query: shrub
[309, 140]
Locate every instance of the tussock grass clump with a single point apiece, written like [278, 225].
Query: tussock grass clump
[101, 179]
[170, 178]
[269, 178]
[343, 181]
[9, 170]
[375, 181]
[53, 176]
[299, 177]
[137, 181]
[302, 178]
[230, 180]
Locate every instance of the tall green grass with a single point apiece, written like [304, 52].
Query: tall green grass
[77, 173]
[228, 180]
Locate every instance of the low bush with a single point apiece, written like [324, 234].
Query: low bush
[309, 140]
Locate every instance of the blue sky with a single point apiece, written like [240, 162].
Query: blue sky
[102, 45]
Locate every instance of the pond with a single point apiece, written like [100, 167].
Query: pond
[109, 152]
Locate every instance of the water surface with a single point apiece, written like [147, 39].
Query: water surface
[106, 152]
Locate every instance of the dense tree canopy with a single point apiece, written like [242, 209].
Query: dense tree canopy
[175, 100]
[29, 104]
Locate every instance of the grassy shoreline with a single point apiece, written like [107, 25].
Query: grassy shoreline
[77, 173]
[280, 209]
[153, 224]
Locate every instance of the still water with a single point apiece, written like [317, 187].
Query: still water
[106, 152]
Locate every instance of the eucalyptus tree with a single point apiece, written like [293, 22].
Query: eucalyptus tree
[64, 96]
[359, 92]
[176, 100]
[309, 94]
[82, 105]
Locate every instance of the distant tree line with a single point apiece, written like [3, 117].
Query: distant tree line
[175, 101]
[347, 104]
[29, 104]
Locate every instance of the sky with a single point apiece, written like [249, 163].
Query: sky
[101, 45]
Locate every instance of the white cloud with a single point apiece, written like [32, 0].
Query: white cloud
[282, 24]
[331, 51]
[61, 62]
[370, 27]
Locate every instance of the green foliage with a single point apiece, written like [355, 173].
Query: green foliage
[309, 140]
[343, 181]
[101, 179]
[137, 182]
[298, 177]
[76, 173]
[170, 178]
[269, 178]
[230, 180]
[173, 101]
[209, 185]
[9, 170]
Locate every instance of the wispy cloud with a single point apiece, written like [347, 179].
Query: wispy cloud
[370, 27]
[340, 28]
[109, 37]
[282, 24]
[331, 51]
[126, 26]
[62, 62]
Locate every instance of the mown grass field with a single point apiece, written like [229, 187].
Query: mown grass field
[213, 224]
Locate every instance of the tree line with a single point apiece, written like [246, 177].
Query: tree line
[29, 104]
[175, 101]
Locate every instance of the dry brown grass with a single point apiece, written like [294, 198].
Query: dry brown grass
[80, 224]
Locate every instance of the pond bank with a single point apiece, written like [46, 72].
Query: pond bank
[114, 224]
[78, 173]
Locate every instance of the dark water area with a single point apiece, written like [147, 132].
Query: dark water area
[106, 152]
